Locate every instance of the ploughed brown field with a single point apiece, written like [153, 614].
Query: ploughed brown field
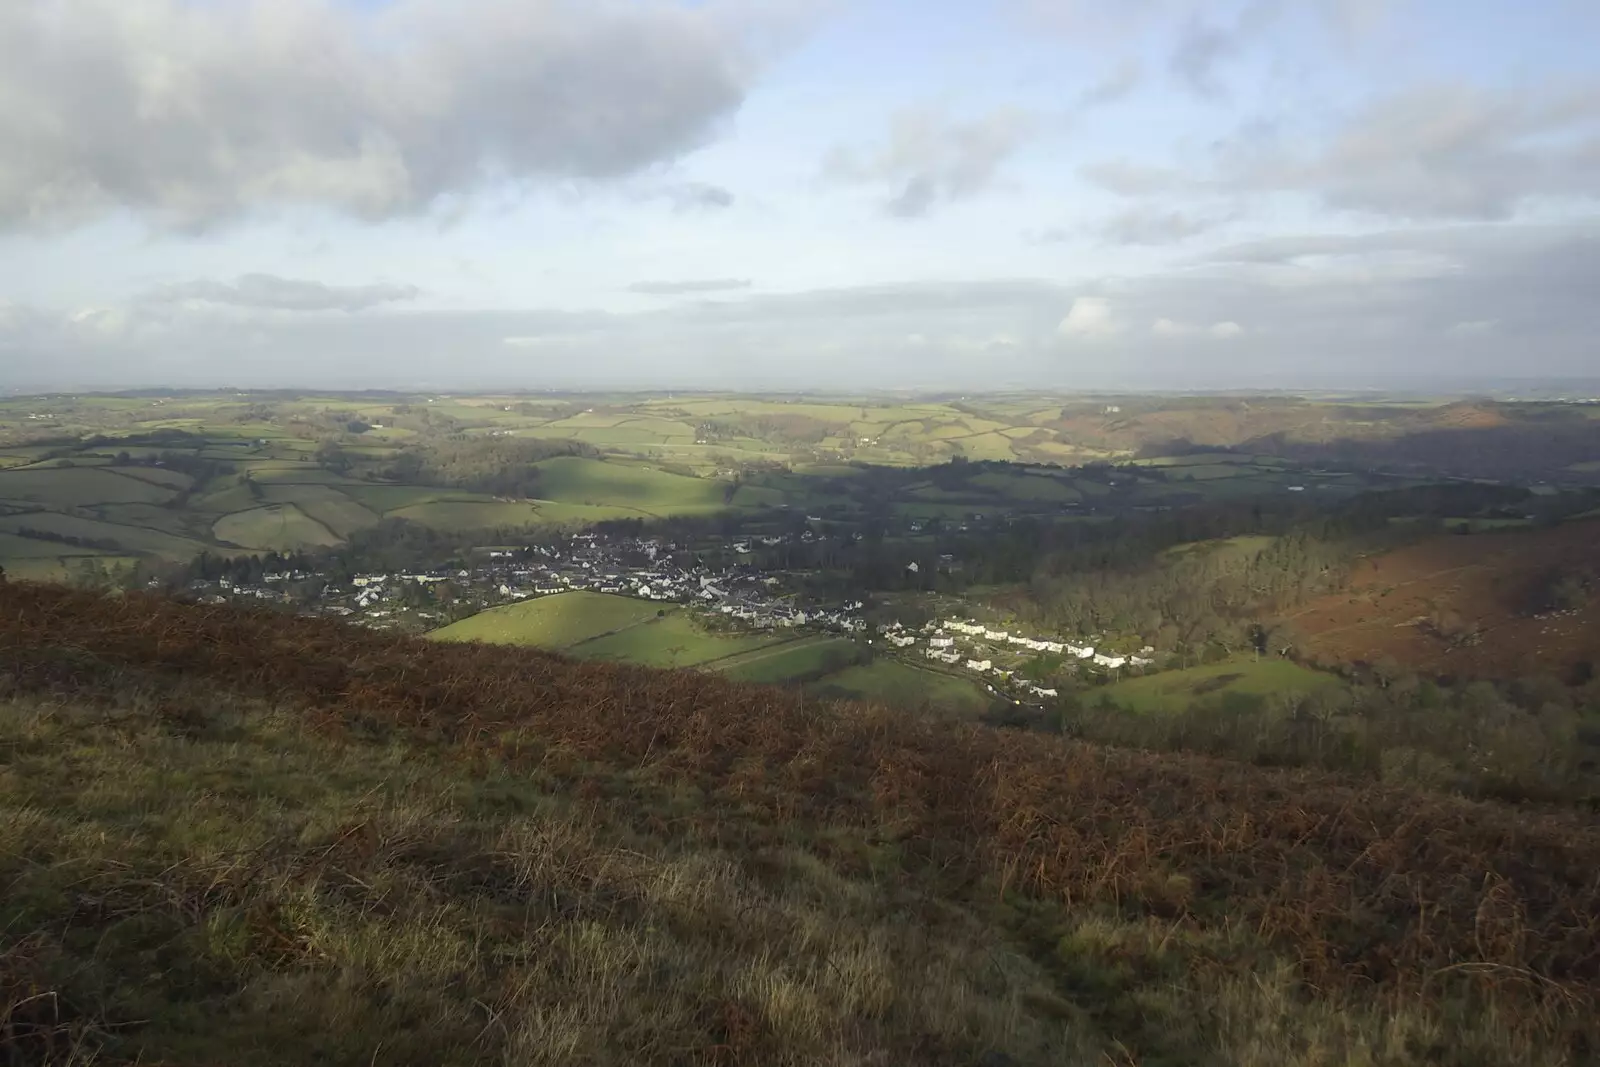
[1417, 606]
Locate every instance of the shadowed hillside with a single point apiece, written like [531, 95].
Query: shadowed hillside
[251, 838]
[1494, 604]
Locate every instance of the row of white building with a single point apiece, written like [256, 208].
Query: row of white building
[975, 629]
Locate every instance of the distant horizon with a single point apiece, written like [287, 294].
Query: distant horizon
[1500, 389]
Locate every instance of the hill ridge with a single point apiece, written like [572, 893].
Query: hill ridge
[1395, 896]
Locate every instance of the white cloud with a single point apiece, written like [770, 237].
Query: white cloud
[1090, 316]
[688, 286]
[188, 113]
[269, 292]
[1537, 283]
[930, 158]
[1169, 328]
[1150, 226]
[1121, 81]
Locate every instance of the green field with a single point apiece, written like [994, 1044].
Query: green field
[78, 487]
[620, 629]
[276, 527]
[158, 476]
[575, 480]
[602, 626]
[333, 509]
[792, 659]
[555, 622]
[16, 549]
[1176, 690]
[386, 498]
[226, 459]
[458, 514]
[676, 639]
[131, 539]
[888, 681]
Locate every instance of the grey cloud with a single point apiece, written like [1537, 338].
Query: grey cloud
[1356, 20]
[1139, 225]
[191, 113]
[1450, 152]
[1203, 46]
[1097, 21]
[1150, 226]
[1299, 247]
[268, 292]
[1300, 315]
[1130, 179]
[699, 196]
[1432, 153]
[708, 285]
[915, 199]
[931, 158]
[1114, 86]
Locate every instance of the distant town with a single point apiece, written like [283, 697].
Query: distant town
[737, 597]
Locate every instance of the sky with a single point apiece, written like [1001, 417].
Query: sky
[798, 194]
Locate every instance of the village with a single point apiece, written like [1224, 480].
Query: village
[739, 597]
[644, 568]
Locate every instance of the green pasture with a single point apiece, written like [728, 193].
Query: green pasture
[1171, 691]
[228, 495]
[557, 513]
[69, 487]
[456, 513]
[576, 480]
[791, 659]
[167, 479]
[274, 527]
[327, 505]
[1027, 487]
[14, 548]
[176, 522]
[555, 622]
[386, 498]
[131, 539]
[889, 681]
[676, 639]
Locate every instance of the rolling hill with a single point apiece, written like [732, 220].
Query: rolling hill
[244, 837]
[1464, 605]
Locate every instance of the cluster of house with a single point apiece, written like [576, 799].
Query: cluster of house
[646, 568]
[943, 646]
[637, 567]
[1084, 652]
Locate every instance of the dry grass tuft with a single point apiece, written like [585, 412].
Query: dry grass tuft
[298, 842]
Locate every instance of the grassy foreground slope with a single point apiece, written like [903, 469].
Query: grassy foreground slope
[246, 838]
